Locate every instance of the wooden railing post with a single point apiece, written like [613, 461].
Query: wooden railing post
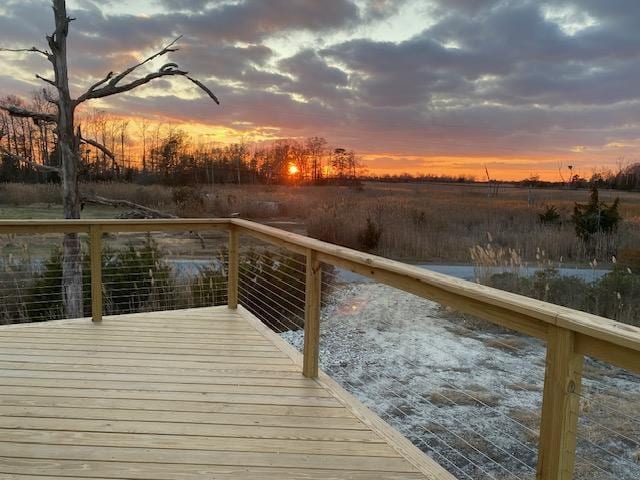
[313, 292]
[95, 255]
[234, 268]
[560, 406]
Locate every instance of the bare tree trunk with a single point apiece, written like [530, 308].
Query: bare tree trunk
[68, 145]
[68, 158]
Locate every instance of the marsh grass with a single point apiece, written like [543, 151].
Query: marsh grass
[420, 222]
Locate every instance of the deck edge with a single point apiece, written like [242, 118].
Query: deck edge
[425, 464]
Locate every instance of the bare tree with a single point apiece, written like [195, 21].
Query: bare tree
[69, 138]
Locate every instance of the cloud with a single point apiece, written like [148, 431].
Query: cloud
[483, 78]
[314, 78]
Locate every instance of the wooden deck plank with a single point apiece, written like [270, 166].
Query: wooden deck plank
[50, 469]
[132, 346]
[229, 364]
[125, 339]
[164, 387]
[210, 370]
[209, 443]
[259, 399]
[183, 456]
[252, 419]
[213, 379]
[193, 394]
[173, 406]
[213, 356]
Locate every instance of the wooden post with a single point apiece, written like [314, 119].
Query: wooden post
[313, 291]
[560, 406]
[234, 268]
[95, 234]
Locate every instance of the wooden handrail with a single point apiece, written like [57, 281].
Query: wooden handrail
[570, 334]
[596, 336]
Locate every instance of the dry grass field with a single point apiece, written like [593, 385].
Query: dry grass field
[416, 222]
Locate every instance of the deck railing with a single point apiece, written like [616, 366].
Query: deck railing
[570, 335]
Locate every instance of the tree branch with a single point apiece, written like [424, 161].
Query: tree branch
[37, 117]
[205, 88]
[46, 80]
[99, 146]
[98, 200]
[37, 166]
[109, 89]
[168, 49]
[107, 77]
[110, 84]
[47, 96]
[30, 50]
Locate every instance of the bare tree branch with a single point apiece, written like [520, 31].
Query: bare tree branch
[113, 87]
[46, 94]
[46, 80]
[38, 166]
[204, 87]
[37, 117]
[98, 200]
[99, 146]
[30, 50]
[168, 49]
[107, 77]
[109, 90]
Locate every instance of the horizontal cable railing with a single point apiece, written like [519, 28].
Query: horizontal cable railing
[580, 370]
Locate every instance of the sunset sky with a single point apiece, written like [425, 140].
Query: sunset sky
[430, 86]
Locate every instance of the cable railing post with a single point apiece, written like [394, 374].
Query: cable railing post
[234, 268]
[560, 406]
[95, 255]
[313, 292]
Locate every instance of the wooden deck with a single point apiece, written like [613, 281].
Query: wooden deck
[192, 394]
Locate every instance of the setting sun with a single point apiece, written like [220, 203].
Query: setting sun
[293, 169]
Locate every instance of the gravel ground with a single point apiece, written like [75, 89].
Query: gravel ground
[468, 394]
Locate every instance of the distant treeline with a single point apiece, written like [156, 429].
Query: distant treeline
[149, 153]
[625, 178]
[145, 152]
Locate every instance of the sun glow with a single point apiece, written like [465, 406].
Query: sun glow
[293, 169]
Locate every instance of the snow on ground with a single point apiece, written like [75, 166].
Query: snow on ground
[466, 393]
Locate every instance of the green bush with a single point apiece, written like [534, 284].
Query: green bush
[272, 287]
[549, 216]
[369, 236]
[595, 216]
[137, 279]
[616, 295]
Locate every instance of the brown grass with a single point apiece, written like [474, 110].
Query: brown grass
[427, 222]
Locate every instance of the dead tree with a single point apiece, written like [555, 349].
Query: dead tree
[69, 139]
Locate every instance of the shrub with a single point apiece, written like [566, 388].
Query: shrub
[369, 236]
[549, 216]
[190, 201]
[272, 287]
[209, 287]
[595, 216]
[137, 279]
[43, 299]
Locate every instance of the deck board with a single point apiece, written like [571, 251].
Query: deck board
[191, 394]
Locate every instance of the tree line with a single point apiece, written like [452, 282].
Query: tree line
[146, 152]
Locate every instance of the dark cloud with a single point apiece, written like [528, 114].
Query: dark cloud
[254, 20]
[313, 77]
[381, 9]
[189, 5]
